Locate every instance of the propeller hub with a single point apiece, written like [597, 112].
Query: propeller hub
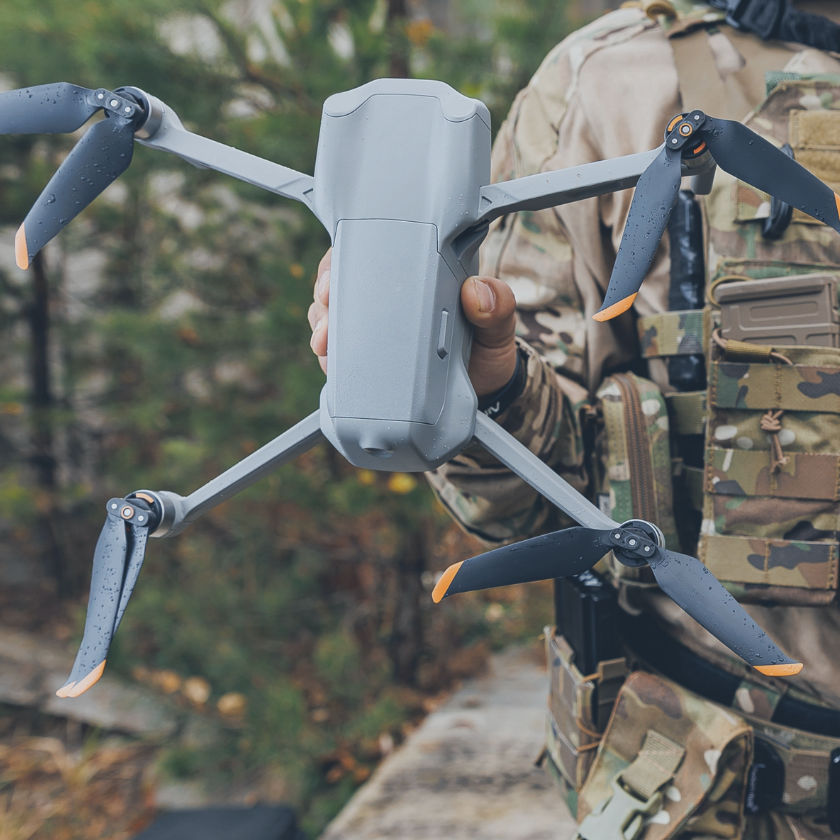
[681, 129]
[636, 541]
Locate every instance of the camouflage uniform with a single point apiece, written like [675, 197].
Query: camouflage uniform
[609, 90]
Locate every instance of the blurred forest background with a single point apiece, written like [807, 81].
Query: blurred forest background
[163, 336]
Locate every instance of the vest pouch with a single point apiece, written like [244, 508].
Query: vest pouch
[771, 508]
[579, 707]
[633, 466]
[670, 764]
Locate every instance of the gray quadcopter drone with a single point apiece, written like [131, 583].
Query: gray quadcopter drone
[402, 186]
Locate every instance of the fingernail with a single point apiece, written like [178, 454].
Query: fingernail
[485, 294]
[323, 283]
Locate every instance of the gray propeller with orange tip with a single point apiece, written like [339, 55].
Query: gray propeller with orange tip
[683, 578]
[116, 563]
[100, 157]
[734, 148]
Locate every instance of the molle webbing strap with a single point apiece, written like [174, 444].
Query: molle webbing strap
[687, 412]
[672, 333]
[654, 766]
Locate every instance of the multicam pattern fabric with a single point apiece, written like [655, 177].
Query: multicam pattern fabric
[705, 795]
[575, 700]
[805, 113]
[671, 333]
[594, 98]
[770, 528]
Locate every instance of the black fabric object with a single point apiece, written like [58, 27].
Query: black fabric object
[778, 20]
[494, 404]
[687, 285]
[260, 822]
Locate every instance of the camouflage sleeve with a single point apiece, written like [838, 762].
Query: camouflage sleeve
[484, 496]
[575, 109]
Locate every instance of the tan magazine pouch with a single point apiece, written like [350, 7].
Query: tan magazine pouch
[669, 762]
[579, 708]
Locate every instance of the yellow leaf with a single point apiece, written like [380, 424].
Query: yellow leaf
[366, 477]
[401, 483]
[196, 690]
[232, 704]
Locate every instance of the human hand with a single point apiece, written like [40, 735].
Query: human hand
[488, 305]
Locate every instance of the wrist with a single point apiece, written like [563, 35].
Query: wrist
[496, 402]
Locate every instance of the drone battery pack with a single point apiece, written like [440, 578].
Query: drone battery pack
[799, 310]
[585, 609]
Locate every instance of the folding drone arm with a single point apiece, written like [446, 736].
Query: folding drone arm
[163, 129]
[180, 511]
[563, 186]
[520, 460]
[635, 543]
[129, 522]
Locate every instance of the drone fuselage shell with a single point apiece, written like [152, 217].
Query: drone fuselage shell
[398, 175]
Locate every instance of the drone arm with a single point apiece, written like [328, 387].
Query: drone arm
[520, 460]
[562, 186]
[180, 511]
[163, 130]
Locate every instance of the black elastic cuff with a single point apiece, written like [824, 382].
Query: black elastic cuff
[494, 404]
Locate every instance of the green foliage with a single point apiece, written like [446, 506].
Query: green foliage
[180, 344]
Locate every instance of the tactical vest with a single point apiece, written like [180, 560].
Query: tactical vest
[765, 495]
[744, 473]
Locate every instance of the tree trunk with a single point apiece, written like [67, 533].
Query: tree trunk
[398, 62]
[43, 458]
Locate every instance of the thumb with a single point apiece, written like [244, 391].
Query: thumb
[489, 305]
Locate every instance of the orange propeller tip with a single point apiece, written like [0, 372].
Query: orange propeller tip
[64, 691]
[616, 309]
[441, 587]
[785, 669]
[21, 250]
[85, 683]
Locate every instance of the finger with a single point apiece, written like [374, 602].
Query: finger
[318, 342]
[489, 306]
[316, 312]
[322, 288]
[325, 263]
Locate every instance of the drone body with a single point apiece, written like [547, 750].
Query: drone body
[401, 186]
[399, 169]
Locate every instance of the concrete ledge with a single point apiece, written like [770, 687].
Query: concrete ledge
[468, 771]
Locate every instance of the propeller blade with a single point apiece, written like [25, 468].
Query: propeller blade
[559, 554]
[46, 109]
[751, 158]
[653, 200]
[102, 155]
[116, 563]
[691, 585]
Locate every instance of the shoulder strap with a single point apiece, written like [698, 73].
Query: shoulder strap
[778, 19]
[722, 71]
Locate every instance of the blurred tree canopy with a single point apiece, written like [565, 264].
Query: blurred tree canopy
[162, 336]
